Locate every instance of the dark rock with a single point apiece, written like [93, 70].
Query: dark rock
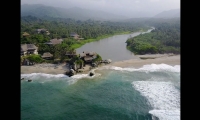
[29, 80]
[91, 73]
[70, 73]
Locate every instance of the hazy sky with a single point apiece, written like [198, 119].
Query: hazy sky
[139, 8]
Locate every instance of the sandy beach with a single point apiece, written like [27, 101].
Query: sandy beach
[169, 59]
[142, 60]
[44, 68]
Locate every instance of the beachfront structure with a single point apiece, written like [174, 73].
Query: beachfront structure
[70, 54]
[42, 31]
[74, 35]
[47, 55]
[25, 34]
[87, 57]
[27, 49]
[54, 41]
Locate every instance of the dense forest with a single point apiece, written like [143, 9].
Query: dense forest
[58, 28]
[165, 38]
[62, 27]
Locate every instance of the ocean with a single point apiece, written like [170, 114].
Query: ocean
[151, 92]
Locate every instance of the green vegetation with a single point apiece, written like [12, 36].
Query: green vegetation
[98, 58]
[33, 58]
[164, 39]
[79, 62]
[82, 42]
[58, 50]
[61, 28]
[58, 28]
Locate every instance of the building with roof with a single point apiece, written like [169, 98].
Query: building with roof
[88, 57]
[54, 41]
[25, 34]
[70, 54]
[27, 49]
[42, 31]
[47, 55]
[74, 35]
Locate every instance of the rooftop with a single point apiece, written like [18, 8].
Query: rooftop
[47, 54]
[55, 41]
[25, 47]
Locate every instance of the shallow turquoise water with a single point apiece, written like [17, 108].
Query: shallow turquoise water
[113, 94]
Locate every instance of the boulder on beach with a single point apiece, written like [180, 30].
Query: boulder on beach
[70, 73]
[94, 65]
[107, 61]
[91, 73]
[29, 80]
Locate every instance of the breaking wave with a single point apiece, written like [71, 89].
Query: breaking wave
[163, 97]
[49, 77]
[43, 75]
[148, 68]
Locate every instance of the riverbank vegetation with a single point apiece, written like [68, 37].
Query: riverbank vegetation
[61, 28]
[90, 30]
[165, 38]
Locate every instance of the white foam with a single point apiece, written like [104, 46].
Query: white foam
[163, 97]
[148, 68]
[166, 114]
[79, 76]
[48, 77]
[75, 78]
[44, 75]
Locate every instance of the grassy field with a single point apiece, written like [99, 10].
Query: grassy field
[82, 42]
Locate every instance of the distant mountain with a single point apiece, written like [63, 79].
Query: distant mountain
[168, 14]
[40, 11]
[43, 11]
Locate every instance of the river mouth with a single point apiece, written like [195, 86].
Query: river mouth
[113, 48]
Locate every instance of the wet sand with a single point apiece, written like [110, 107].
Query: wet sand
[44, 68]
[49, 69]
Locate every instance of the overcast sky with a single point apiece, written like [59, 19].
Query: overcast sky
[139, 8]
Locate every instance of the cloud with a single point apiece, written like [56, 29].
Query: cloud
[125, 7]
[154, 0]
[137, 1]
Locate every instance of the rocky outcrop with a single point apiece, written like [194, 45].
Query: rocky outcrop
[91, 73]
[29, 80]
[70, 73]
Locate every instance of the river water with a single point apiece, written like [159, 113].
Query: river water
[113, 48]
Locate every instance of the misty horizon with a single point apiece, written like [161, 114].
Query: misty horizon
[127, 8]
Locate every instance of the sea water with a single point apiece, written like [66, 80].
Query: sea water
[151, 92]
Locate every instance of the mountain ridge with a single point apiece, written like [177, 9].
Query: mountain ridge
[168, 14]
[39, 10]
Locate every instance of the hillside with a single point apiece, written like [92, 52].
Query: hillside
[41, 11]
[168, 14]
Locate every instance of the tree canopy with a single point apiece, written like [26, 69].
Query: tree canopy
[164, 39]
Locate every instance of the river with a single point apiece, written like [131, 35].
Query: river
[113, 48]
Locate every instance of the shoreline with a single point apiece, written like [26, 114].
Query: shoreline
[75, 46]
[169, 59]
